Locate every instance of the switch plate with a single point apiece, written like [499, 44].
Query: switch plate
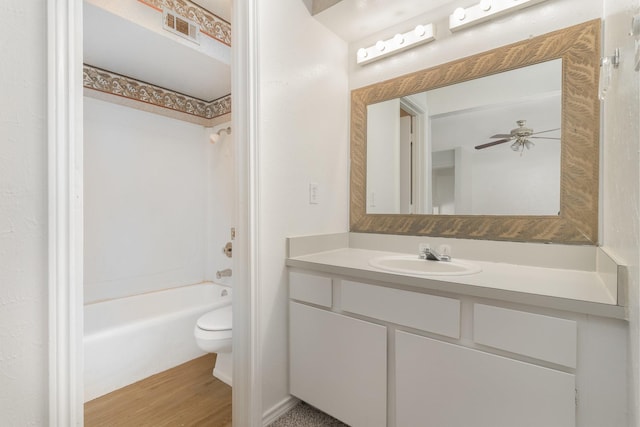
[314, 193]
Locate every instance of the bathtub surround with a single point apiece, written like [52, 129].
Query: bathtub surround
[145, 202]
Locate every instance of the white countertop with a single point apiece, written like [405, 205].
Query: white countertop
[573, 290]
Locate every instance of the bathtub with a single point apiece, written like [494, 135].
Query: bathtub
[128, 339]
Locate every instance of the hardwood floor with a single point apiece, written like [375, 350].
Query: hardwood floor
[187, 395]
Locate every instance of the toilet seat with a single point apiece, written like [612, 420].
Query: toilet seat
[217, 320]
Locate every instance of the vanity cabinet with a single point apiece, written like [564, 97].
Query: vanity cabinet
[339, 365]
[374, 355]
[445, 385]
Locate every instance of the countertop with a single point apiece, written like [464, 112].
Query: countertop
[572, 290]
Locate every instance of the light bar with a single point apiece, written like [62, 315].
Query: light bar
[419, 35]
[487, 9]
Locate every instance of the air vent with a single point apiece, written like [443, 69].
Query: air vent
[178, 25]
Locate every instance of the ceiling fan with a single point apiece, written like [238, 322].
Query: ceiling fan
[521, 135]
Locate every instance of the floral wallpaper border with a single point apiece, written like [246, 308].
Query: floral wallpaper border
[116, 84]
[210, 24]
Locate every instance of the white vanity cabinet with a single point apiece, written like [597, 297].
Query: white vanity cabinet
[337, 363]
[375, 355]
[447, 385]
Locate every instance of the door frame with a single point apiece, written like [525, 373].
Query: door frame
[65, 212]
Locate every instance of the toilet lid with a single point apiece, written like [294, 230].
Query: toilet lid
[216, 320]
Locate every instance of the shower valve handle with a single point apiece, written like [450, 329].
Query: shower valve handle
[228, 249]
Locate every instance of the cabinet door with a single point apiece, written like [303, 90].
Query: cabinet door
[444, 385]
[339, 365]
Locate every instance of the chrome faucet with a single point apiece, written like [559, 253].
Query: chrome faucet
[432, 255]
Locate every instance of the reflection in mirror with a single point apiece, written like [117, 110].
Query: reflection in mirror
[463, 150]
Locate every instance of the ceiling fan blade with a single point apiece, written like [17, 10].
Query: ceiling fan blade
[492, 143]
[543, 137]
[543, 131]
[501, 135]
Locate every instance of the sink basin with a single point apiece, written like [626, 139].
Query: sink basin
[408, 264]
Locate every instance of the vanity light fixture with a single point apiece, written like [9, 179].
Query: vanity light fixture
[420, 34]
[607, 65]
[487, 9]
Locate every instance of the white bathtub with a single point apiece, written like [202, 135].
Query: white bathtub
[128, 339]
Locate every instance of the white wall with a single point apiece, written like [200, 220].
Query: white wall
[145, 201]
[23, 214]
[509, 183]
[383, 157]
[221, 201]
[621, 193]
[302, 137]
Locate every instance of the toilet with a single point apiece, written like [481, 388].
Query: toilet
[213, 335]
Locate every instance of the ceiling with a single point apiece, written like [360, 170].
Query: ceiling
[155, 56]
[220, 8]
[114, 42]
[355, 19]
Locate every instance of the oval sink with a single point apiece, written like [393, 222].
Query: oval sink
[407, 264]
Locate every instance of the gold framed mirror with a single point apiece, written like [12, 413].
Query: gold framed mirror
[578, 47]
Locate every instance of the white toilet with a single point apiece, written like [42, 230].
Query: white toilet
[213, 335]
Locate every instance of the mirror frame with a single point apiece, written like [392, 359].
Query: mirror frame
[579, 48]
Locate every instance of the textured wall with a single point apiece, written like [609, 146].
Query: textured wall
[302, 138]
[621, 176]
[23, 214]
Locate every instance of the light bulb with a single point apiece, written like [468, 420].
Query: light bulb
[399, 39]
[420, 30]
[214, 137]
[380, 45]
[362, 53]
[515, 146]
[485, 5]
[459, 14]
[529, 144]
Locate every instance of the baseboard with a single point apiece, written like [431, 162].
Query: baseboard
[279, 410]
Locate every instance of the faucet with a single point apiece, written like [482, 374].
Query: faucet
[432, 255]
[223, 273]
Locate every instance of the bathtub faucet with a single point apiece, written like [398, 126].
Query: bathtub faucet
[223, 273]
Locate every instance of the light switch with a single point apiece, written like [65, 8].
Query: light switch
[314, 193]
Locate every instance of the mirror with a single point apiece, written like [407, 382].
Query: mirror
[458, 150]
[398, 197]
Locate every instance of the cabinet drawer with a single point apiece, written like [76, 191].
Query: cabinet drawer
[429, 313]
[534, 335]
[310, 288]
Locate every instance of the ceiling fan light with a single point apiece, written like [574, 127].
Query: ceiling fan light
[529, 144]
[515, 146]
